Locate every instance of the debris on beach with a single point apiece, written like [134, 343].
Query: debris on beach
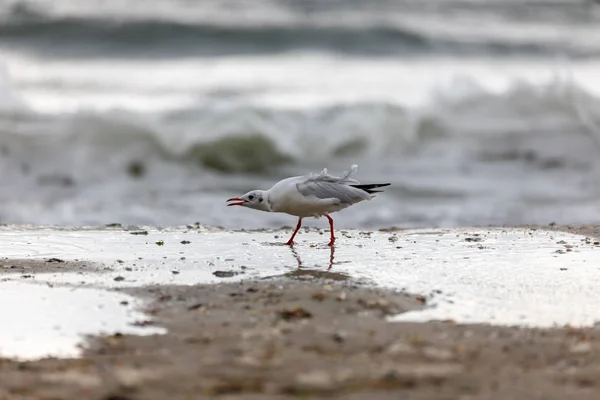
[295, 313]
[225, 274]
[138, 233]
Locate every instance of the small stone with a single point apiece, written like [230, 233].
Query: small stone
[295, 313]
[143, 323]
[55, 260]
[196, 306]
[119, 279]
[314, 380]
[341, 297]
[71, 378]
[339, 337]
[319, 296]
[185, 242]
[225, 274]
[581, 347]
[413, 373]
[400, 348]
[381, 304]
[160, 243]
[434, 353]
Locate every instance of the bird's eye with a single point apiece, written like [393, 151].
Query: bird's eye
[251, 197]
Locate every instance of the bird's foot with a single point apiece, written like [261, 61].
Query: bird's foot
[331, 242]
[289, 243]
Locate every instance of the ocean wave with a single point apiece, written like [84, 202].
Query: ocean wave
[86, 36]
[478, 159]
[252, 140]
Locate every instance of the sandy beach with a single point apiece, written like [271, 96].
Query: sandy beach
[311, 339]
[311, 333]
[125, 126]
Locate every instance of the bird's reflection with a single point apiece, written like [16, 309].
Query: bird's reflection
[302, 272]
[299, 260]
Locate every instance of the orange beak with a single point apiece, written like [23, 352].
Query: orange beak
[240, 202]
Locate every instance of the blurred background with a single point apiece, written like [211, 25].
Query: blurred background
[156, 111]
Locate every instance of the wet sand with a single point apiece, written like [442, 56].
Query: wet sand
[310, 334]
[26, 267]
[311, 339]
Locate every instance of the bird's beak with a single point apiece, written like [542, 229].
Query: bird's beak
[240, 202]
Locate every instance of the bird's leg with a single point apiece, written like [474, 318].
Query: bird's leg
[331, 230]
[291, 241]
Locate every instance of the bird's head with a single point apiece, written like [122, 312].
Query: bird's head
[256, 199]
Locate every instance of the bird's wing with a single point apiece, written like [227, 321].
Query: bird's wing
[325, 186]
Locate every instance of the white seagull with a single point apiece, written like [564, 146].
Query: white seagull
[310, 196]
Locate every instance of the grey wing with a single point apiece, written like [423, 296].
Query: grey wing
[340, 192]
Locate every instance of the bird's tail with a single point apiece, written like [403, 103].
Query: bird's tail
[370, 188]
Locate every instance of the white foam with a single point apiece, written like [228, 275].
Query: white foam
[298, 80]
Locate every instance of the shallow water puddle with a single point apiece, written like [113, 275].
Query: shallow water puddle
[39, 321]
[497, 276]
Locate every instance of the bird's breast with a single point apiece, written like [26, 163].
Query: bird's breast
[301, 206]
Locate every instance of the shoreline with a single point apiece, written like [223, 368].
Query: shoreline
[306, 333]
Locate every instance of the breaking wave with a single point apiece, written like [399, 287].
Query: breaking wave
[251, 140]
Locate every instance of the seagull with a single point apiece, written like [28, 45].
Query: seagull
[310, 196]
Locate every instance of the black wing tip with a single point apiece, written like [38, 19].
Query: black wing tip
[369, 188]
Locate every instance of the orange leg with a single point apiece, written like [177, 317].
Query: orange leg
[331, 230]
[291, 241]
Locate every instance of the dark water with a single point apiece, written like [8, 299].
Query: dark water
[478, 112]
